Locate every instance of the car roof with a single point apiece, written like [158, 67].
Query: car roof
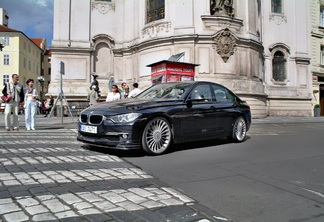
[191, 82]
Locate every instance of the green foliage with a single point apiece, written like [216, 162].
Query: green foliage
[317, 106]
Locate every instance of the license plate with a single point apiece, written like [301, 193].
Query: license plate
[88, 129]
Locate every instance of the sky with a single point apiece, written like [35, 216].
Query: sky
[33, 17]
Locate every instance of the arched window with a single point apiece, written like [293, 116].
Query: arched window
[322, 16]
[279, 66]
[154, 10]
[276, 6]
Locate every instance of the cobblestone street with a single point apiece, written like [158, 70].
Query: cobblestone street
[46, 175]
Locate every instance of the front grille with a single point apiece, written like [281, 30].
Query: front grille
[95, 119]
[84, 118]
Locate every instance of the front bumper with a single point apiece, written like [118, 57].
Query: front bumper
[110, 135]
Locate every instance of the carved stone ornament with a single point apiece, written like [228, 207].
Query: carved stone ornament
[154, 29]
[103, 7]
[225, 44]
[278, 18]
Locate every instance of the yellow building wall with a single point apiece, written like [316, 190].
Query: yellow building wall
[19, 50]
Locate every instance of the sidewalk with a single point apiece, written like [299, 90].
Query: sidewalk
[289, 120]
[46, 122]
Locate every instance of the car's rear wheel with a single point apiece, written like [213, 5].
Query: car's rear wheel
[156, 138]
[239, 129]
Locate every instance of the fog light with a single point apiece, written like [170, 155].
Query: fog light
[124, 136]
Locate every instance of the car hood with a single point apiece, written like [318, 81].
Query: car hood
[128, 105]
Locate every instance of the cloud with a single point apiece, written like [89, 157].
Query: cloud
[42, 2]
[33, 17]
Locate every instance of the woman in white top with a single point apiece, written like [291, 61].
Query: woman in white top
[30, 105]
[114, 94]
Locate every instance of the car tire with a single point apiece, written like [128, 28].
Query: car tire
[156, 137]
[239, 130]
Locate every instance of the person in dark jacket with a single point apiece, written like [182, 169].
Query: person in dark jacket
[15, 92]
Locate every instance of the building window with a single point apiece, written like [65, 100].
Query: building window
[276, 6]
[5, 79]
[322, 55]
[25, 63]
[154, 10]
[29, 65]
[49, 71]
[322, 16]
[6, 40]
[6, 60]
[279, 66]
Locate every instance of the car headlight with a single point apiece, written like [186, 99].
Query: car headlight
[125, 118]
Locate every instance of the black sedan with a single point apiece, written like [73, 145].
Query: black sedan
[167, 113]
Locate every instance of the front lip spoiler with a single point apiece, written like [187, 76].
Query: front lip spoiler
[109, 144]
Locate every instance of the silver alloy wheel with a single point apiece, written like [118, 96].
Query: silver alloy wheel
[156, 137]
[239, 129]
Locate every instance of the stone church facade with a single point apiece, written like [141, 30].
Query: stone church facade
[260, 49]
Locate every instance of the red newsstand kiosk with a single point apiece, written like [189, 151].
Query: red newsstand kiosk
[171, 71]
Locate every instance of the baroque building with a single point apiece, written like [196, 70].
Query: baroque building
[260, 49]
[317, 41]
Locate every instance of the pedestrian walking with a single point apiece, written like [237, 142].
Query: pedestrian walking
[30, 105]
[135, 91]
[126, 93]
[49, 105]
[93, 96]
[122, 89]
[39, 106]
[15, 92]
[114, 94]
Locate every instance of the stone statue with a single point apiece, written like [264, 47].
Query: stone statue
[95, 83]
[222, 7]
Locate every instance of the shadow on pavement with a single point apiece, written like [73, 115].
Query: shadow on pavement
[112, 151]
[173, 148]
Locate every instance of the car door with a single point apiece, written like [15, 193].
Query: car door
[199, 113]
[224, 108]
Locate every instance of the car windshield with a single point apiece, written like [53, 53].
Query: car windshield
[165, 90]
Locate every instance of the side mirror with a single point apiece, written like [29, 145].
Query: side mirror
[189, 103]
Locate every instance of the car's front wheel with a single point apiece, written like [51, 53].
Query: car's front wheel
[156, 138]
[239, 129]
